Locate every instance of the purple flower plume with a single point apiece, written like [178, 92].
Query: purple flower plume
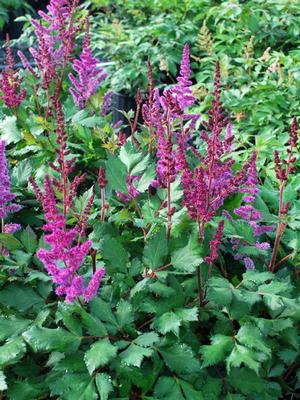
[89, 75]
[6, 197]
[65, 256]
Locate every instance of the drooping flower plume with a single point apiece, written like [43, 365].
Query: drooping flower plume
[89, 74]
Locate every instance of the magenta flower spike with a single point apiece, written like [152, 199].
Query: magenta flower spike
[65, 256]
[10, 81]
[89, 75]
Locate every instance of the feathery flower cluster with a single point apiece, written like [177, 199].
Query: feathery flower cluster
[215, 244]
[252, 216]
[64, 259]
[206, 187]
[89, 75]
[6, 197]
[132, 192]
[106, 103]
[10, 81]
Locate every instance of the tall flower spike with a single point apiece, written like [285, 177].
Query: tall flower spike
[215, 244]
[6, 197]
[89, 75]
[10, 81]
[64, 258]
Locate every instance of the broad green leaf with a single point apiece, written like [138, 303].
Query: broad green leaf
[29, 240]
[186, 259]
[10, 242]
[12, 326]
[134, 355]
[116, 173]
[130, 156]
[104, 385]
[156, 250]
[9, 130]
[147, 339]
[180, 359]
[44, 339]
[102, 310]
[217, 350]
[99, 354]
[27, 389]
[168, 388]
[70, 386]
[124, 313]
[246, 381]
[12, 351]
[220, 291]
[167, 322]
[21, 173]
[115, 254]
[250, 336]
[20, 297]
[242, 355]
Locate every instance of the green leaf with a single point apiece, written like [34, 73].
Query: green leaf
[12, 326]
[102, 310]
[134, 355]
[73, 386]
[250, 336]
[220, 291]
[9, 130]
[147, 339]
[246, 381]
[3, 384]
[168, 322]
[21, 173]
[44, 339]
[10, 242]
[29, 240]
[99, 354]
[156, 250]
[12, 351]
[186, 259]
[168, 389]
[216, 352]
[242, 355]
[104, 385]
[130, 156]
[180, 359]
[115, 254]
[124, 313]
[116, 173]
[20, 297]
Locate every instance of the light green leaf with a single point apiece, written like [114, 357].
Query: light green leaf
[134, 355]
[104, 385]
[180, 359]
[124, 313]
[29, 240]
[3, 384]
[156, 250]
[99, 354]
[44, 339]
[242, 355]
[12, 351]
[147, 339]
[186, 259]
[116, 173]
[217, 350]
[167, 322]
[11, 326]
[9, 130]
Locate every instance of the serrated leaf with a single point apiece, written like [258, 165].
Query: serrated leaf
[246, 381]
[217, 350]
[220, 291]
[250, 336]
[187, 314]
[11, 326]
[186, 259]
[10, 242]
[21, 173]
[134, 355]
[124, 313]
[73, 386]
[130, 156]
[99, 354]
[147, 339]
[156, 250]
[20, 297]
[242, 355]
[114, 253]
[44, 339]
[9, 130]
[168, 389]
[104, 385]
[102, 310]
[29, 240]
[116, 173]
[167, 322]
[180, 359]
[12, 351]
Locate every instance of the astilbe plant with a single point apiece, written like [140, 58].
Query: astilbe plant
[6, 198]
[12, 95]
[284, 168]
